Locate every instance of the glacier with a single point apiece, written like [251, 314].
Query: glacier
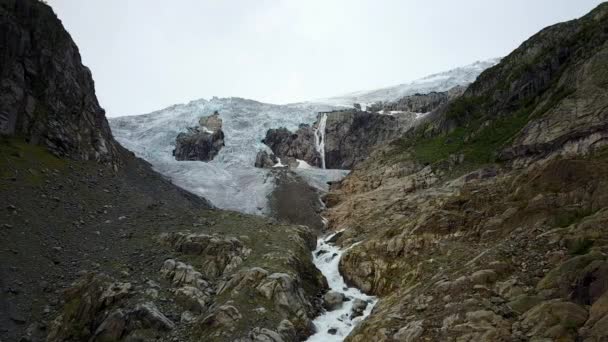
[230, 180]
[438, 82]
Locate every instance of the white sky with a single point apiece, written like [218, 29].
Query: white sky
[148, 54]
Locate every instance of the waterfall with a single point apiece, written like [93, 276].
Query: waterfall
[320, 138]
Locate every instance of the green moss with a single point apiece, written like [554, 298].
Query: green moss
[570, 217]
[26, 161]
[580, 246]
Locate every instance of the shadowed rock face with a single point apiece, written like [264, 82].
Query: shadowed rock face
[351, 135]
[47, 95]
[201, 143]
[298, 145]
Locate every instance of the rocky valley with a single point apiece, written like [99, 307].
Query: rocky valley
[470, 205]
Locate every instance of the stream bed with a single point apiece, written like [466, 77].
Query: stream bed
[335, 325]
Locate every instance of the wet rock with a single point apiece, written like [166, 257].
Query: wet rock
[333, 300]
[358, 308]
[265, 160]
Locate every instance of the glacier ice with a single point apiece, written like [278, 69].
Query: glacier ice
[229, 181]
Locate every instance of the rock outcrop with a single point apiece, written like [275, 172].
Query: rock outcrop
[265, 160]
[47, 95]
[203, 142]
[299, 145]
[351, 135]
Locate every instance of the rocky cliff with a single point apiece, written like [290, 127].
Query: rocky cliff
[299, 144]
[203, 142]
[486, 221]
[351, 135]
[47, 95]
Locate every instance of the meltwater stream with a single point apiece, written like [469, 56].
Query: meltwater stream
[337, 324]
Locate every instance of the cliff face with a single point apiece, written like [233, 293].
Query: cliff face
[47, 95]
[351, 135]
[487, 221]
[299, 145]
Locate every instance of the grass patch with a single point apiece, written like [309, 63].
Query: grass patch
[570, 217]
[580, 246]
[22, 160]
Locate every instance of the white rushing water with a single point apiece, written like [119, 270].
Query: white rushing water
[320, 138]
[327, 258]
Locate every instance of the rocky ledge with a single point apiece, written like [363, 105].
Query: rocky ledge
[203, 142]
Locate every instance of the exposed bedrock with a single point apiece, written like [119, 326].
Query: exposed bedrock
[203, 142]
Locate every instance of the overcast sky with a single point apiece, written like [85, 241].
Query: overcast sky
[148, 54]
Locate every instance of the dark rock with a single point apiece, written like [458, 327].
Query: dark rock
[350, 136]
[333, 300]
[359, 306]
[298, 145]
[200, 143]
[265, 160]
[48, 96]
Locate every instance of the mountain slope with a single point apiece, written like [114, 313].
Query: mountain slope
[487, 222]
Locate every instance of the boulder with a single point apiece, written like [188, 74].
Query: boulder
[358, 308]
[333, 300]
